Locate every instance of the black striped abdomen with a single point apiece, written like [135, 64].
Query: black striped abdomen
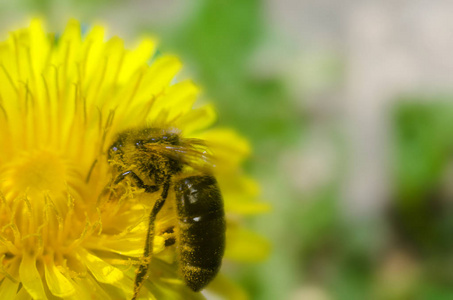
[202, 229]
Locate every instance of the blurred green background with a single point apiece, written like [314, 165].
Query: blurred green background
[348, 106]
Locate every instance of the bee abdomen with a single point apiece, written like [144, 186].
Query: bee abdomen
[202, 229]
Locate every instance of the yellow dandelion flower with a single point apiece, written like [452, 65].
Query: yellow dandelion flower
[65, 230]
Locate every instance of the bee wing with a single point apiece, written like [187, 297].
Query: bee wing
[190, 152]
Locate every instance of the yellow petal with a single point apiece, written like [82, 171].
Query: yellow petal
[177, 101]
[245, 245]
[229, 148]
[92, 50]
[228, 289]
[240, 194]
[39, 48]
[137, 57]
[67, 51]
[246, 207]
[88, 288]
[23, 295]
[129, 245]
[161, 72]
[58, 284]
[8, 289]
[30, 278]
[197, 119]
[158, 76]
[102, 271]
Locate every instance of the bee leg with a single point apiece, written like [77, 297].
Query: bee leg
[147, 252]
[138, 182]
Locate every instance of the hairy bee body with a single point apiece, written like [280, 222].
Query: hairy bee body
[202, 226]
[155, 160]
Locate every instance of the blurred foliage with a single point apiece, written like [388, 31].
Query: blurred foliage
[408, 253]
[422, 210]
[423, 159]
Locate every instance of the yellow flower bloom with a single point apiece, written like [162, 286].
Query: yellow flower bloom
[62, 102]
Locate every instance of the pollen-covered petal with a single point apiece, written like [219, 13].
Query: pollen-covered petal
[30, 277]
[102, 271]
[58, 284]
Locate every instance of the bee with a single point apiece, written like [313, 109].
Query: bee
[160, 160]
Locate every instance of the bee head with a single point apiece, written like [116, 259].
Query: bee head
[116, 149]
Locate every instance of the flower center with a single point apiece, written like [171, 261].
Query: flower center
[37, 172]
